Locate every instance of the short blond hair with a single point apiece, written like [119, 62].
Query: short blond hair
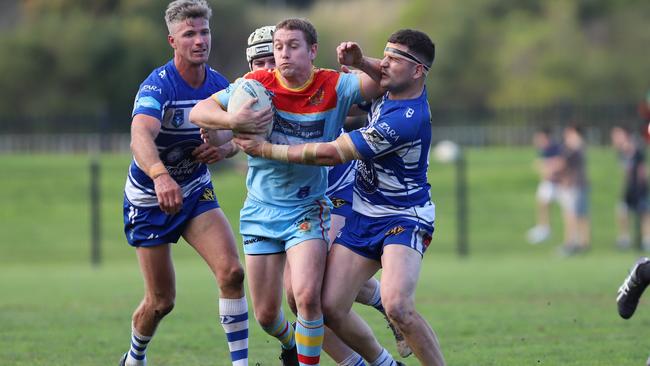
[180, 10]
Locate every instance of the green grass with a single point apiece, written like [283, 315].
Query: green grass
[509, 303]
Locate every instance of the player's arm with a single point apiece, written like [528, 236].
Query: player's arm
[336, 152]
[350, 54]
[210, 114]
[144, 130]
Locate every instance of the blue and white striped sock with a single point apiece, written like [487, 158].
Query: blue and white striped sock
[234, 320]
[384, 359]
[139, 343]
[353, 360]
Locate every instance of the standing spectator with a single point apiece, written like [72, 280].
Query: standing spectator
[634, 198]
[548, 164]
[573, 192]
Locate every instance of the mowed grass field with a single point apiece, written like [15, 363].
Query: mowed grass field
[508, 303]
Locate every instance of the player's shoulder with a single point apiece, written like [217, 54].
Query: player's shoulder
[324, 74]
[265, 76]
[416, 109]
[216, 77]
[158, 80]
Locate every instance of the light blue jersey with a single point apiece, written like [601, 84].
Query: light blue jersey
[165, 96]
[312, 113]
[286, 203]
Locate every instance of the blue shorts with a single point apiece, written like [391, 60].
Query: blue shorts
[268, 229]
[342, 201]
[367, 236]
[149, 226]
[574, 200]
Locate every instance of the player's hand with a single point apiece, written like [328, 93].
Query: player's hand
[247, 120]
[170, 196]
[208, 154]
[215, 137]
[349, 54]
[249, 143]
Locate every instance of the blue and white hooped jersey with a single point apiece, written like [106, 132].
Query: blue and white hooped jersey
[166, 96]
[392, 177]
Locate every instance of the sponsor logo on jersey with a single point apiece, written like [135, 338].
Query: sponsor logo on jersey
[409, 112]
[208, 195]
[151, 88]
[338, 202]
[304, 225]
[317, 97]
[178, 159]
[366, 176]
[147, 102]
[300, 129]
[303, 192]
[162, 74]
[253, 240]
[394, 231]
[373, 137]
[179, 118]
[390, 132]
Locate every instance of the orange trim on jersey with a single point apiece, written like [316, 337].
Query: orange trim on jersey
[363, 95]
[214, 97]
[304, 86]
[318, 96]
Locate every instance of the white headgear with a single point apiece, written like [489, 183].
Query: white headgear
[260, 43]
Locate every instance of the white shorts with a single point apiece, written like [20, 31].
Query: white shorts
[574, 200]
[546, 191]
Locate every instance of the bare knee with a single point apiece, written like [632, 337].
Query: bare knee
[307, 300]
[400, 311]
[159, 304]
[231, 278]
[266, 317]
[333, 314]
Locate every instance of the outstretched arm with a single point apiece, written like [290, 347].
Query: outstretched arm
[336, 152]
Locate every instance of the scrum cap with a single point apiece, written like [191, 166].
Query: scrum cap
[260, 43]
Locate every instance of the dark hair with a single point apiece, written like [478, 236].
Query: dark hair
[417, 42]
[544, 130]
[302, 25]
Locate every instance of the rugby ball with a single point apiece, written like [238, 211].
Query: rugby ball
[246, 90]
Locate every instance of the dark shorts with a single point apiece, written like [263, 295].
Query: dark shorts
[149, 226]
[367, 236]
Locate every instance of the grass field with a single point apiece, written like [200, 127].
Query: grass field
[509, 303]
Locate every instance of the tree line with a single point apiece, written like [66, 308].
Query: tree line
[76, 58]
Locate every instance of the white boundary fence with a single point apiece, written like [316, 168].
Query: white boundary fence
[64, 143]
